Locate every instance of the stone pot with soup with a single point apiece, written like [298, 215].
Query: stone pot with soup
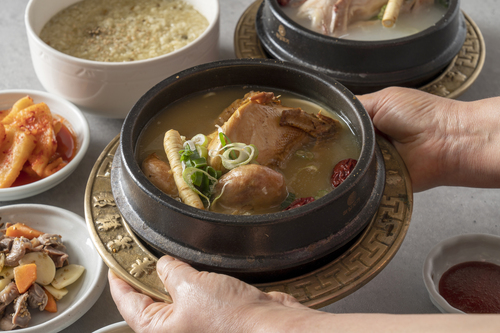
[366, 45]
[259, 169]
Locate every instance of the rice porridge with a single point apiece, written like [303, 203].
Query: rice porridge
[123, 30]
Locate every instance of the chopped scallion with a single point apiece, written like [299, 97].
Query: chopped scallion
[199, 162]
[201, 182]
[288, 201]
[237, 154]
[200, 140]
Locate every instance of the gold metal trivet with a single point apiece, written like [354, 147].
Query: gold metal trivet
[462, 71]
[124, 253]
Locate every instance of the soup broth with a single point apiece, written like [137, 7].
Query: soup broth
[408, 23]
[308, 172]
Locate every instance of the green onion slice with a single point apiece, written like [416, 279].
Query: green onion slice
[190, 144]
[224, 140]
[221, 192]
[202, 151]
[288, 201]
[194, 179]
[237, 154]
[200, 140]
[199, 162]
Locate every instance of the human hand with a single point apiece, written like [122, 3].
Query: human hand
[209, 302]
[202, 302]
[442, 141]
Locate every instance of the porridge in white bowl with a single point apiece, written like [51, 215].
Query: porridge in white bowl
[117, 30]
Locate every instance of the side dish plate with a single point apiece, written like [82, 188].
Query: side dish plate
[120, 327]
[86, 290]
[76, 121]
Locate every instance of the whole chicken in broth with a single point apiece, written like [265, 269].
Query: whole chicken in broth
[362, 19]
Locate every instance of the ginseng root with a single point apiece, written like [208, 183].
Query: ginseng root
[172, 143]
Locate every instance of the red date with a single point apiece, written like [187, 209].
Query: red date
[342, 170]
[283, 2]
[300, 202]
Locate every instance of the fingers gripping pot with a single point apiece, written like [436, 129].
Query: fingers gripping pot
[261, 247]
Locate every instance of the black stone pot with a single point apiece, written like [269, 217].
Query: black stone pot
[364, 66]
[255, 248]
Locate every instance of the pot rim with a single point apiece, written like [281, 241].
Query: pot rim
[129, 134]
[453, 5]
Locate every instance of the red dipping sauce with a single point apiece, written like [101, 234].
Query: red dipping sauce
[473, 287]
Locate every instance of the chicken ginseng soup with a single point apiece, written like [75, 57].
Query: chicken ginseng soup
[364, 19]
[247, 151]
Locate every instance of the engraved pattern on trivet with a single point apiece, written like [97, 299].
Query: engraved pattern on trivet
[108, 222]
[139, 268]
[464, 68]
[247, 44]
[118, 246]
[120, 243]
[103, 199]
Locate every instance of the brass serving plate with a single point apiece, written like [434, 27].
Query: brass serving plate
[462, 71]
[127, 256]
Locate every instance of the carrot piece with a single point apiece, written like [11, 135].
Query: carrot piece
[24, 276]
[51, 302]
[21, 229]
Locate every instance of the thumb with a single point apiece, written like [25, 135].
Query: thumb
[286, 299]
[173, 273]
[369, 102]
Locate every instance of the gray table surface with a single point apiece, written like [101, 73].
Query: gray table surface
[438, 213]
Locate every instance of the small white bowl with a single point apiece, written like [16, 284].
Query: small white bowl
[452, 251]
[73, 117]
[86, 290]
[120, 327]
[110, 89]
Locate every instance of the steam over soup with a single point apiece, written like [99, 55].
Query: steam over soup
[239, 151]
[362, 19]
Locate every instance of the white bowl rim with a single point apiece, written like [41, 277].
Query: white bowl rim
[82, 305]
[120, 326]
[84, 145]
[211, 26]
[434, 294]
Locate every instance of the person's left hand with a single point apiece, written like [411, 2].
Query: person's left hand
[202, 302]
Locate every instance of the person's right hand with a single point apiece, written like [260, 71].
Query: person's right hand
[442, 141]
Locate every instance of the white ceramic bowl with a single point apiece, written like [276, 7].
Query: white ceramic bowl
[120, 327]
[73, 117]
[110, 89]
[86, 290]
[452, 251]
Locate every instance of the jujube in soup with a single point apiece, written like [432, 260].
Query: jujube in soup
[247, 150]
